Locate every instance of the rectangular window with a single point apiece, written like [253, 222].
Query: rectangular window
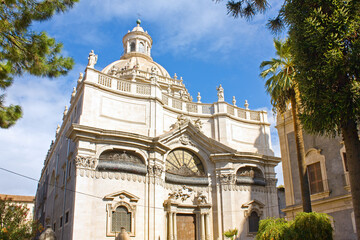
[64, 176]
[54, 226]
[69, 170]
[345, 162]
[315, 179]
[61, 221]
[67, 217]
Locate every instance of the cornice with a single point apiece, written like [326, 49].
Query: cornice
[81, 132]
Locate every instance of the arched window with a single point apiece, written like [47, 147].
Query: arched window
[121, 217]
[185, 163]
[250, 175]
[254, 222]
[141, 47]
[132, 47]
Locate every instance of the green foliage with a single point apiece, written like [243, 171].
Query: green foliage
[274, 229]
[13, 223]
[310, 226]
[326, 33]
[280, 73]
[231, 233]
[25, 51]
[246, 8]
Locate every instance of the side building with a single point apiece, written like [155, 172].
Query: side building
[26, 201]
[135, 152]
[327, 173]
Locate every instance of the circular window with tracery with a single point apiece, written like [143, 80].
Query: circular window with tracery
[185, 163]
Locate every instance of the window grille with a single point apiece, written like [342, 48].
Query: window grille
[121, 218]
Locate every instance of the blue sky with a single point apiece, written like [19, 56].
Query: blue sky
[194, 39]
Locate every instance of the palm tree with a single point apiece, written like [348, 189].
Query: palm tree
[282, 87]
[246, 8]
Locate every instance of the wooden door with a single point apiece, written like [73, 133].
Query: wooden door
[186, 226]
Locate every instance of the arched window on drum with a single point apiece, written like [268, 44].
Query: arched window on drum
[250, 175]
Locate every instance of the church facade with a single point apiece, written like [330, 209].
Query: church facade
[135, 151]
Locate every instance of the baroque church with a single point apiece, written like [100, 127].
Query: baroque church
[136, 152]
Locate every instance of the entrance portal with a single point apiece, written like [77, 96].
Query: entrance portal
[186, 226]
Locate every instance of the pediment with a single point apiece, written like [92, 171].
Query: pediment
[122, 195]
[189, 135]
[253, 203]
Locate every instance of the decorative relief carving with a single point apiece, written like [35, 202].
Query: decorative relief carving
[185, 140]
[271, 182]
[155, 170]
[182, 193]
[227, 178]
[85, 162]
[120, 156]
[201, 198]
[198, 124]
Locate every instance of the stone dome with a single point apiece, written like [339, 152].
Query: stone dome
[137, 53]
[139, 63]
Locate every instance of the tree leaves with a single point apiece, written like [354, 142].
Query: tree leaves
[24, 51]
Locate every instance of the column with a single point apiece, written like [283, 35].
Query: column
[175, 229]
[202, 226]
[170, 226]
[208, 226]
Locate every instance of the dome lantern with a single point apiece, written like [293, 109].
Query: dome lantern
[137, 42]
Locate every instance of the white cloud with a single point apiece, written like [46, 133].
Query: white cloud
[23, 147]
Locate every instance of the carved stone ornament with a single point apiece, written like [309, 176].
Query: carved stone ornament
[184, 139]
[271, 182]
[118, 155]
[227, 178]
[155, 170]
[198, 124]
[181, 120]
[85, 162]
[182, 193]
[201, 198]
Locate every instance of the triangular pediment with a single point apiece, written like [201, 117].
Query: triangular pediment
[189, 134]
[122, 195]
[253, 203]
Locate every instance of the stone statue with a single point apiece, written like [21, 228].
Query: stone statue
[198, 98]
[181, 120]
[234, 101]
[220, 93]
[169, 89]
[92, 59]
[198, 124]
[123, 235]
[48, 234]
[81, 76]
[113, 70]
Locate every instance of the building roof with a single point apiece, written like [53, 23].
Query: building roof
[18, 198]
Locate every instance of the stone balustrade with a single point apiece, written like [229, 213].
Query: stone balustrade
[172, 102]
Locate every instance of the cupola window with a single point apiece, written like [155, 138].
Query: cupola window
[132, 47]
[141, 47]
